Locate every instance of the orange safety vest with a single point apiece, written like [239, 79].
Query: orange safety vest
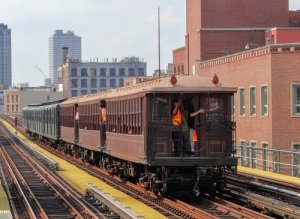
[103, 116]
[195, 137]
[177, 119]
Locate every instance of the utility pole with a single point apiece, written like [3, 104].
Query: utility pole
[158, 42]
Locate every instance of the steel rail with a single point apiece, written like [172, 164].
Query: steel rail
[11, 169]
[277, 207]
[58, 186]
[10, 198]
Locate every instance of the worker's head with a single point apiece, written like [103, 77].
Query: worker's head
[102, 103]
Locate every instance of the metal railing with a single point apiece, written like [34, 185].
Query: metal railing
[272, 160]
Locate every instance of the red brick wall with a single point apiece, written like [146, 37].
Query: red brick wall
[193, 24]
[244, 13]
[253, 71]
[179, 60]
[259, 67]
[294, 18]
[220, 43]
[284, 35]
[285, 71]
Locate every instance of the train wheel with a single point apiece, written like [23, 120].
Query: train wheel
[213, 189]
[164, 190]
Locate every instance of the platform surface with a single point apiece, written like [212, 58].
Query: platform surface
[269, 175]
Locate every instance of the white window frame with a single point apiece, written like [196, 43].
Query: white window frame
[255, 142]
[242, 115]
[267, 114]
[267, 156]
[255, 101]
[292, 158]
[292, 101]
[233, 103]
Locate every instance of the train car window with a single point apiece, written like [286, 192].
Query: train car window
[124, 117]
[160, 109]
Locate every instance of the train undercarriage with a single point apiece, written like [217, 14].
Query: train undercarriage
[161, 180]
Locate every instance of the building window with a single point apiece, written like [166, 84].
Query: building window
[93, 91]
[252, 101]
[178, 68]
[12, 98]
[74, 72]
[182, 69]
[13, 108]
[74, 93]
[7, 108]
[83, 92]
[103, 72]
[296, 160]
[276, 162]
[112, 82]
[121, 82]
[265, 157]
[93, 83]
[245, 154]
[232, 106]
[174, 70]
[17, 98]
[48, 98]
[84, 83]
[74, 83]
[84, 72]
[93, 72]
[131, 72]
[121, 71]
[112, 72]
[102, 82]
[242, 102]
[253, 146]
[264, 100]
[7, 98]
[296, 100]
[17, 108]
[141, 72]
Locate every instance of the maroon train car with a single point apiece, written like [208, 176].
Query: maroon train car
[139, 140]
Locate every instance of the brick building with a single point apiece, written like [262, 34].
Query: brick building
[15, 98]
[216, 28]
[251, 45]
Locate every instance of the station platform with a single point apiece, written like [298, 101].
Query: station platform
[4, 205]
[77, 179]
[269, 175]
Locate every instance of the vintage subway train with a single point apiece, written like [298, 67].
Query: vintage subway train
[139, 142]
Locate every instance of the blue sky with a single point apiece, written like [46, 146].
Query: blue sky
[109, 28]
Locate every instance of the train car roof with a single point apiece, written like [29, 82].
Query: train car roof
[185, 84]
[47, 103]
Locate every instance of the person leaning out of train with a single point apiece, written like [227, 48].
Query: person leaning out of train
[103, 122]
[76, 126]
[191, 113]
[179, 136]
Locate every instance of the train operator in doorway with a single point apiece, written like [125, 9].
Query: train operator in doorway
[103, 122]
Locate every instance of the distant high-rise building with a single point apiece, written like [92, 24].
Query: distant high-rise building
[56, 42]
[5, 55]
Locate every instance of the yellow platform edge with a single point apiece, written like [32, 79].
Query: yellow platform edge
[77, 179]
[269, 175]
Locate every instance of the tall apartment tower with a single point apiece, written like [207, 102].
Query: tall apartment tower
[5, 55]
[56, 42]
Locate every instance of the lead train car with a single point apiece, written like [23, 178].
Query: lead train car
[139, 133]
[139, 142]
